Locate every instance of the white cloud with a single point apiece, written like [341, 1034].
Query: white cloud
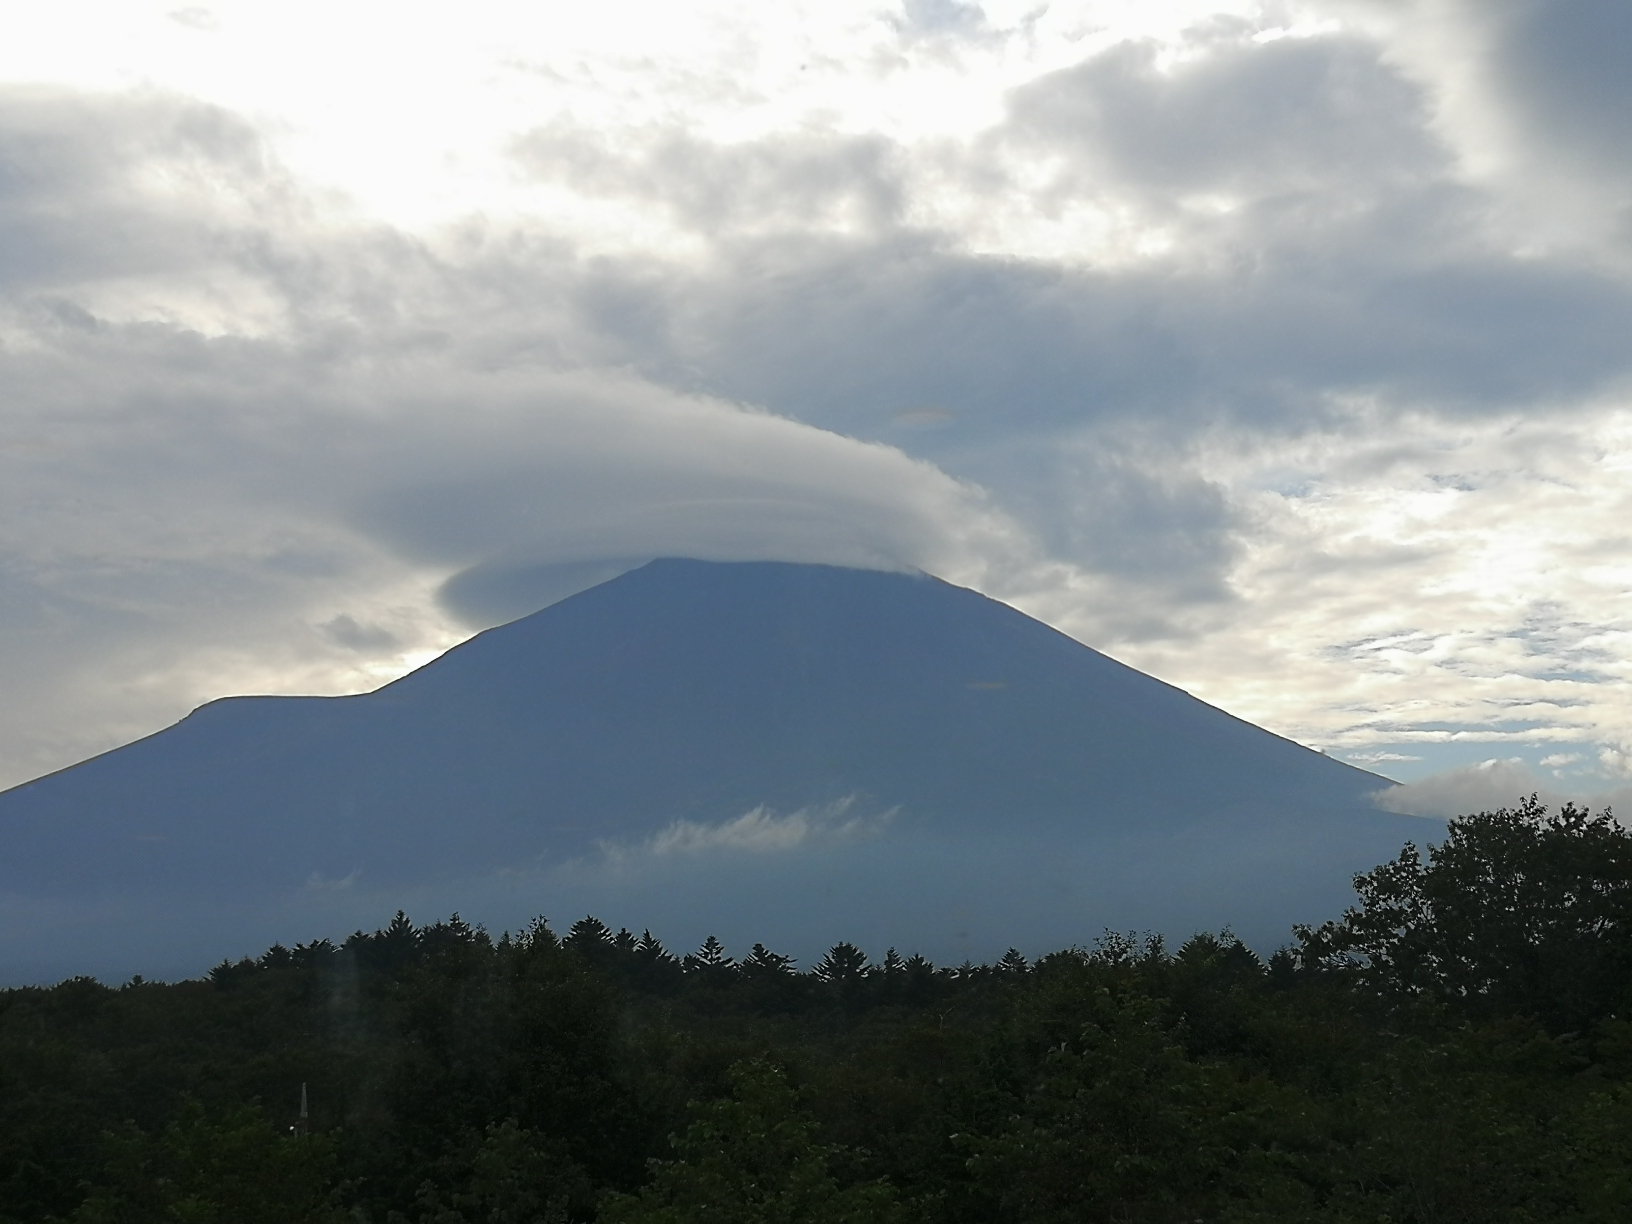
[1485, 786]
[1477, 571]
[761, 831]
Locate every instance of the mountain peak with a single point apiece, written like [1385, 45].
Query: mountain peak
[787, 750]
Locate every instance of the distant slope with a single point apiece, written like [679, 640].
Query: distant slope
[913, 753]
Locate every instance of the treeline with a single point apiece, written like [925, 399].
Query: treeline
[1457, 1048]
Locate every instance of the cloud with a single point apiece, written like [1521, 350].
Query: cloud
[346, 630]
[1564, 65]
[138, 204]
[316, 493]
[1487, 786]
[317, 882]
[808, 183]
[1237, 120]
[762, 831]
[1458, 792]
[1281, 362]
[233, 534]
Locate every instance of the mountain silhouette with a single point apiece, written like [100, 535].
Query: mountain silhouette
[796, 753]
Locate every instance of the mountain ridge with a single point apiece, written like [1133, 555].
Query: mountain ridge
[695, 692]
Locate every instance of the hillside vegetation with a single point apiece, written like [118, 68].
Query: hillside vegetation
[1457, 1048]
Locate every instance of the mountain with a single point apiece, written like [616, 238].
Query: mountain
[792, 753]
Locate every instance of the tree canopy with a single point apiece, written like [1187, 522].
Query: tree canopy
[1456, 1047]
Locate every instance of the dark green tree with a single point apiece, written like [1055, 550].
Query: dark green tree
[1516, 912]
[752, 1159]
[233, 1169]
[509, 1175]
[844, 965]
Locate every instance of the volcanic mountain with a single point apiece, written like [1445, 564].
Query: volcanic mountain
[788, 753]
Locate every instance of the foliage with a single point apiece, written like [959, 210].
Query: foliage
[234, 1169]
[1456, 1048]
[1516, 912]
[753, 1158]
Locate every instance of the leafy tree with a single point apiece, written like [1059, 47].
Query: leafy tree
[752, 1159]
[1115, 1128]
[1516, 912]
[462, 1080]
[509, 1175]
[235, 1169]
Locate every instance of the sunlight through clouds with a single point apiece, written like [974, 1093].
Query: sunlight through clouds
[1480, 573]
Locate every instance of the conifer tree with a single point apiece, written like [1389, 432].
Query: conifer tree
[844, 964]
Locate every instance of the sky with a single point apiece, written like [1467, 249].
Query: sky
[1279, 350]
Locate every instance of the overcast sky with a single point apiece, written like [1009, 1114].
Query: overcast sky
[1280, 350]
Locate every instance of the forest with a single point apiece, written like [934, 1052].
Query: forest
[1457, 1047]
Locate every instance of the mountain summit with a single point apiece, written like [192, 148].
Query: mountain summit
[792, 753]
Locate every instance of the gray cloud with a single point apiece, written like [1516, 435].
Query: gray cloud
[1484, 787]
[126, 201]
[1567, 65]
[1351, 266]
[804, 182]
[1345, 257]
[494, 592]
[1293, 117]
[238, 415]
[1287, 307]
[1464, 790]
[270, 493]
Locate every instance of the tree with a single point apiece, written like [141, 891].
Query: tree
[751, 1159]
[843, 965]
[1117, 1123]
[1516, 912]
[650, 950]
[232, 1169]
[589, 935]
[1012, 962]
[761, 960]
[710, 960]
[507, 1175]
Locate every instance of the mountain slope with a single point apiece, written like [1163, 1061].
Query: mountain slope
[683, 732]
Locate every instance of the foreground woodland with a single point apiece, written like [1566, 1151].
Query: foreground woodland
[1457, 1048]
